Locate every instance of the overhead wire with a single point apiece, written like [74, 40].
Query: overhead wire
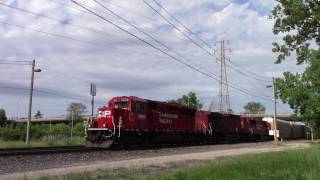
[203, 41]
[45, 32]
[45, 92]
[148, 35]
[15, 62]
[177, 20]
[60, 21]
[68, 23]
[168, 21]
[157, 48]
[81, 41]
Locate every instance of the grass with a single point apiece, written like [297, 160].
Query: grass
[293, 165]
[298, 164]
[44, 143]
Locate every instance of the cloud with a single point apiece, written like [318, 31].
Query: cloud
[72, 57]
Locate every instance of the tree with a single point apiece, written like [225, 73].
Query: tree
[254, 108]
[299, 21]
[77, 110]
[3, 117]
[190, 100]
[38, 114]
[302, 91]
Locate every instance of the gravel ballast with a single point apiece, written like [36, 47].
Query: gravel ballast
[16, 164]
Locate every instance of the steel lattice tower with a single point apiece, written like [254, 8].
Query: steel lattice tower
[224, 102]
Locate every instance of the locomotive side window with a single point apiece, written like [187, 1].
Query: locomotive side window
[140, 107]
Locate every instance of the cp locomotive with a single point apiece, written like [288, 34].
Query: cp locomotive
[133, 120]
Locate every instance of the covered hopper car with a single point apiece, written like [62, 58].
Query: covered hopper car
[290, 129]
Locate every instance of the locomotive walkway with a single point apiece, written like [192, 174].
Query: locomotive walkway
[162, 160]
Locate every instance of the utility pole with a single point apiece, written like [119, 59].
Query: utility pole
[275, 136]
[71, 135]
[224, 101]
[93, 92]
[275, 133]
[30, 101]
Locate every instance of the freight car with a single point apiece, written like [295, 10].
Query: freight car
[290, 129]
[129, 119]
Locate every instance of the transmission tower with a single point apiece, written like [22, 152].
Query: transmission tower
[224, 102]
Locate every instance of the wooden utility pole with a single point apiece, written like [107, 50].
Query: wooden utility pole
[30, 101]
[275, 134]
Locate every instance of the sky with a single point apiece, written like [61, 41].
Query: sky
[74, 48]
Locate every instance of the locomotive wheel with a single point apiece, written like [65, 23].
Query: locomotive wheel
[104, 145]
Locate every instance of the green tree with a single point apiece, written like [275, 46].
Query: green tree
[298, 21]
[190, 100]
[302, 91]
[38, 114]
[3, 117]
[254, 108]
[77, 110]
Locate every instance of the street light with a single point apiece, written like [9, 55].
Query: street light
[30, 101]
[275, 134]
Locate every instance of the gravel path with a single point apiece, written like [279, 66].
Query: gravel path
[57, 164]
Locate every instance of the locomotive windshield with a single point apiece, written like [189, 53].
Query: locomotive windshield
[122, 104]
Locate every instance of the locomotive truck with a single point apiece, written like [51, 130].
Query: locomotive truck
[132, 120]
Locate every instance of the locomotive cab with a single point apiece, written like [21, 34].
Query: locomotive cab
[107, 128]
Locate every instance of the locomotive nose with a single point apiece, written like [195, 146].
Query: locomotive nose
[105, 117]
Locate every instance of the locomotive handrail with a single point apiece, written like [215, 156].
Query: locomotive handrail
[204, 132]
[119, 125]
[114, 126]
[86, 124]
[210, 129]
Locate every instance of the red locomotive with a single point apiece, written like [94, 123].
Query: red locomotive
[129, 119]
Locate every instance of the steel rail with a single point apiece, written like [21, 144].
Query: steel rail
[43, 150]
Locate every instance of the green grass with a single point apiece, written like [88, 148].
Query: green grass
[46, 143]
[293, 165]
[297, 164]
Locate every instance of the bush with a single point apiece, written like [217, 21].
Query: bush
[40, 132]
[78, 130]
[11, 133]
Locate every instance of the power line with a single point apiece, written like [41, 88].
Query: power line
[255, 75]
[150, 36]
[168, 21]
[140, 30]
[45, 92]
[15, 62]
[61, 36]
[248, 75]
[143, 32]
[67, 23]
[81, 41]
[177, 20]
[58, 20]
[164, 52]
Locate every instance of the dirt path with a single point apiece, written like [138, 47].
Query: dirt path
[158, 160]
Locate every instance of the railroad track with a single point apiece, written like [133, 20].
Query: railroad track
[44, 150]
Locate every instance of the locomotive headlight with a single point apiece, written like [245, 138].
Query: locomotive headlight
[104, 125]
